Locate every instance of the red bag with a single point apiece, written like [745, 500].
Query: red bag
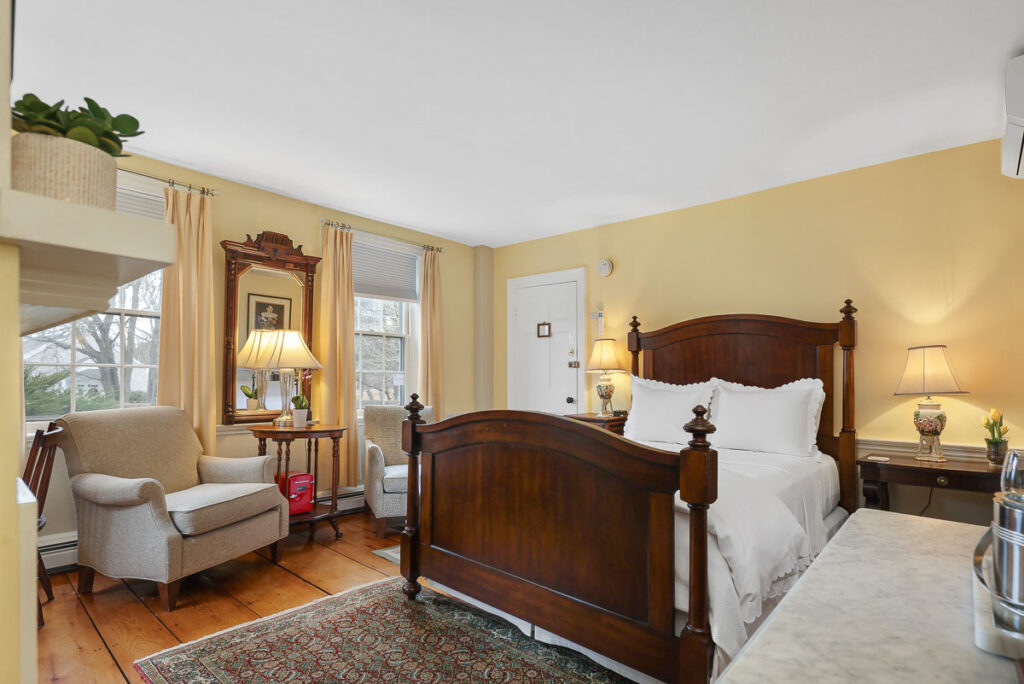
[299, 492]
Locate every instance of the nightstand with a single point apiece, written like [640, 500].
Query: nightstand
[964, 474]
[610, 423]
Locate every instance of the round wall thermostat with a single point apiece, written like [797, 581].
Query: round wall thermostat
[604, 267]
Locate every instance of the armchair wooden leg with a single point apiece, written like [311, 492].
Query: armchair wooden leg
[39, 613]
[44, 579]
[168, 594]
[275, 551]
[379, 525]
[85, 577]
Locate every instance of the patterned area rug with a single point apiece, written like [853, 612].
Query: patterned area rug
[372, 634]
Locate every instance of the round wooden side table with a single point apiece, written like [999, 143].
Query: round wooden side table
[284, 436]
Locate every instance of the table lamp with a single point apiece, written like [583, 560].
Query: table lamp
[281, 350]
[928, 372]
[604, 360]
[248, 357]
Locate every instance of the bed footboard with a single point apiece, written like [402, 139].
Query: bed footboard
[566, 526]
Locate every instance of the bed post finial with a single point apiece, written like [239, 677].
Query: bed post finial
[848, 310]
[414, 407]
[411, 533]
[698, 486]
[633, 342]
[700, 427]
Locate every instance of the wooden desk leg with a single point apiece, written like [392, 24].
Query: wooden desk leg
[262, 449]
[287, 459]
[309, 454]
[335, 454]
[316, 481]
[876, 494]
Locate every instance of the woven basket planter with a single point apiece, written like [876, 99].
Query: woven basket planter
[63, 169]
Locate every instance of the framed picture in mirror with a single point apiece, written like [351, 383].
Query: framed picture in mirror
[267, 312]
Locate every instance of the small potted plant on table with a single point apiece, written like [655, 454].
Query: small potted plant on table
[995, 443]
[252, 399]
[300, 410]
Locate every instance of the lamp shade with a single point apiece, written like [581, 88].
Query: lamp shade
[928, 372]
[603, 358]
[276, 349]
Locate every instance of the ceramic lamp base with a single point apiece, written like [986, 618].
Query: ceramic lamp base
[930, 420]
[605, 390]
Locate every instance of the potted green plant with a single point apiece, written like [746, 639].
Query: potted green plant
[300, 410]
[995, 443]
[68, 153]
[252, 400]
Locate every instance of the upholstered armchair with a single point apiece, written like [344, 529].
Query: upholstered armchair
[152, 506]
[386, 476]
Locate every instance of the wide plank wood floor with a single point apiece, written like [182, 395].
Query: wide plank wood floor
[97, 637]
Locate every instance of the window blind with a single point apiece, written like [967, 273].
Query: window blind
[385, 270]
[138, 202]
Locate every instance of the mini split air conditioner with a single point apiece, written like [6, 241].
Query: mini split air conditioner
[1013, 141]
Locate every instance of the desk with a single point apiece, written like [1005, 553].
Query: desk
[971, 475]
[888, 600]
[284, 436]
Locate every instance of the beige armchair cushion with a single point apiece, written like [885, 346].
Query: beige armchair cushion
[396, 479]
[382, 425]
[208, 507]
[156, 442]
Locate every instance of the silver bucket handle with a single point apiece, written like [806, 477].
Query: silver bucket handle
[979, 556]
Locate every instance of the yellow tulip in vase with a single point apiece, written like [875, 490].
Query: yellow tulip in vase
[995, 443]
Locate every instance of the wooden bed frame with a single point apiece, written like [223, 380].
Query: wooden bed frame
[571, 528]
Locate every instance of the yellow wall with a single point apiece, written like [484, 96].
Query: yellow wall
[11, 432]
[929, 248]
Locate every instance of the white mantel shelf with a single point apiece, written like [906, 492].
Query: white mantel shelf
[74, 257]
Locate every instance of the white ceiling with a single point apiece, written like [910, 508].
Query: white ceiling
[493, 123]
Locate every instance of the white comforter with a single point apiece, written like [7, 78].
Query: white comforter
[764, 530]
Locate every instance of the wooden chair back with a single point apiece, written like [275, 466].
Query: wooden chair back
[39, 466]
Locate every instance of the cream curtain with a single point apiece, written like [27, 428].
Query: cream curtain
[334, 347]
[430, 386]
[187, 372]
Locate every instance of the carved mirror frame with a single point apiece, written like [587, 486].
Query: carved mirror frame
[267, 250]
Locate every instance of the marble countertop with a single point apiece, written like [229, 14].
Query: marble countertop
[888, 600]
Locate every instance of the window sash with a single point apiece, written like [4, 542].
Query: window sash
[74, 365]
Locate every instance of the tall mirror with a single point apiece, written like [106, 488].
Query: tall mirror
[268, 286]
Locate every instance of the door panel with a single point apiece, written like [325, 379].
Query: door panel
[540, 375]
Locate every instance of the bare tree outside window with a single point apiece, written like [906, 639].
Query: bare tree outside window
[382, 334]
[106, 360]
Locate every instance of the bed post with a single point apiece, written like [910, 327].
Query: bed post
[411, 533]
[848, 435]
[698, 486]
[633, 341]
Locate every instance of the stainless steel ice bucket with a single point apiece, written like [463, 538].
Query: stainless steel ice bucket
[1008, 548]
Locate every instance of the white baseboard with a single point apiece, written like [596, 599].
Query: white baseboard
[60, 550]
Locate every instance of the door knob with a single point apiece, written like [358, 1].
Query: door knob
[569, 400]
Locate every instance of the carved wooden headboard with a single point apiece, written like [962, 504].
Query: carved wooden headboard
[766, 351]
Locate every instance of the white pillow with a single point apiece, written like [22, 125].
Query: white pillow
[660, 410]
[780, 420]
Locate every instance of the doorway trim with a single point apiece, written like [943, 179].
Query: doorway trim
[577, 275]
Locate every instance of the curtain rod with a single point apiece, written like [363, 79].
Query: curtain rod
[332, 223]
[209, 192]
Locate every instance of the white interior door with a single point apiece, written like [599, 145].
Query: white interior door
[545, 342]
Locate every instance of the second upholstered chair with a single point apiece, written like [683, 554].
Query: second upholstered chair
[151, 505]
[386, 479]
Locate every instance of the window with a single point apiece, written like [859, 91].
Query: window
[382, 346]
[106, 360]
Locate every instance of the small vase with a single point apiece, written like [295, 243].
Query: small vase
[995, 452]
[299, 417]
[252, 404]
